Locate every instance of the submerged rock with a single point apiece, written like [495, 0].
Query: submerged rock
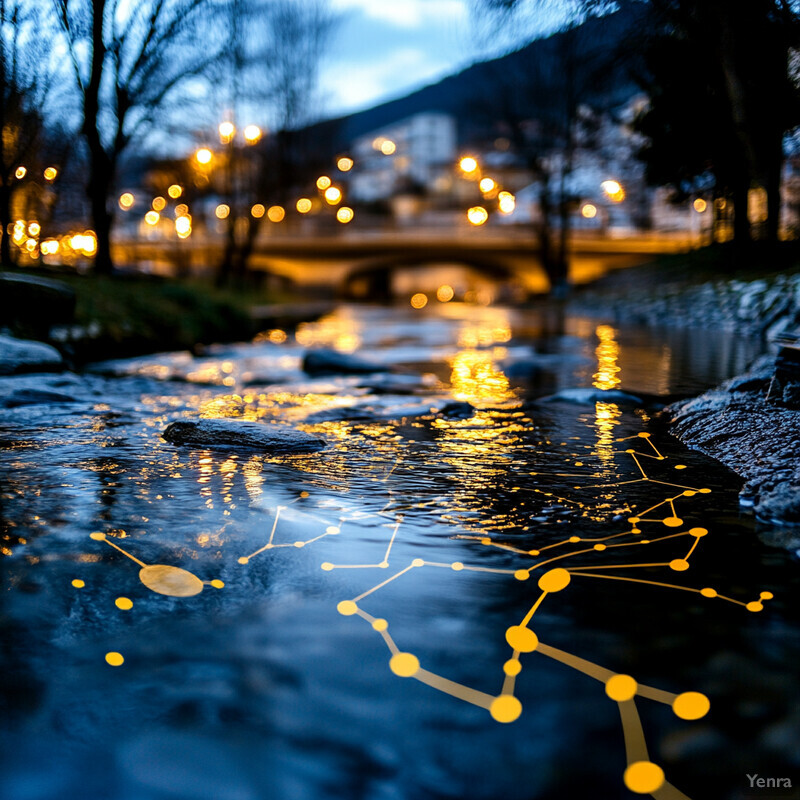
[331, 362]
[31, 397]
[591, 396]
[234, 434]
[23, 355]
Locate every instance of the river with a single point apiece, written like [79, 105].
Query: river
[516, 598]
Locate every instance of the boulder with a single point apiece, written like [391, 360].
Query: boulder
[331, 362]
[23, 355]
[32, 304]
[232, 434]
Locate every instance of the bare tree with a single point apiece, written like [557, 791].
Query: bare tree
[130, 61]
[25, 82]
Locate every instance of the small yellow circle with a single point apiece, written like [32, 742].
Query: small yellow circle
[327, 566]
[643, 435]
[243, 559]
[299, 544]
[505, 708]
[522, 574]
[115, 659]
[457, 566]
[347, 608]
[697, 532]
[554, 580]
[533, 552]
[679, 564]
[644, 777]
[124, 603]
[755, 606]
[404, 664]
[97, 536]
[332, 530]
[383, 564]
[380, 625]
[633, 520]
[78, 583]
[704, 491]
[691, 705]
[766, 595]
[621, 687]
[574, 539]
[708, 592]
[217, 584]
[417, 562]
[600, 547]
[522, 639]
[680, 466]
[672, 522]
[512, 666]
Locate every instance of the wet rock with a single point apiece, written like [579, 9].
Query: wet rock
[238, 434]
[33, 304]
[591, 396]
[23, 355]
[331, 362]
[456, 410]
[31, 397]
[781, 504]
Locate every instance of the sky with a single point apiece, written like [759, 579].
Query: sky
[385, 48]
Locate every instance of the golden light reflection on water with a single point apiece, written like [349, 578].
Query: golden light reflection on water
[606, 418]
[341, 331]
[476, 379]
[607, 353]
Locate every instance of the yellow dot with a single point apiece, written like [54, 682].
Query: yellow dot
[417, 562]
[672, 522]
[505, 708]
[691, 705]
[172, 581]
[754, 606]
[404, 664]
[124, 603]
[299, 544]
[486, 540]
[380, 625]
[304, 494]
[457, 566]
[533, 552]
[633, 520]
[78, 583]
[708, 592]
[347, 608]
[698, 532]
[636, 530]
[383, 564]
[643, 435]
[115, 659]
[766, 595]
[217, 584]
[97, 536]
[579, 463]
[327, 566]
[644, 777]
[512, 666]
[243, 559]
[574, 539]
[599, 547]
[680, 466]
[554, 580]
[679, 564]
[522, 574]
[689, 493]
[621, 687]
[332, 529]
[630, 450]
[522, 639]
[704, 491]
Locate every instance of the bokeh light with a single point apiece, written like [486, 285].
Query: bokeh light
[275, 213]
[303, 205]
[419, 300]
[345, 214]
[477, 215]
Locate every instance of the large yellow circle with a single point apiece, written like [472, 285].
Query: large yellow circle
[404, 664]
[522, 638]
[621, 687]
[505, 708]
[172, 581]
[554, 580]
[644, 777]
[115, 659]
[691, 705]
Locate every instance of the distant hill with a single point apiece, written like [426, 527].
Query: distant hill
[472, 95]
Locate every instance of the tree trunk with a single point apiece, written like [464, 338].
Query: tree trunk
[97, 190]
[772, 185]
[6, 257]
[741, 222]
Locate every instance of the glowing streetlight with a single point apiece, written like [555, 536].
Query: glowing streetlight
[50, 173]
[20, 173]
[175, 191]
[159, 203]
[252, 134]
[345, 164]
[614, 191]
[445, 293]
[303, 205]
[152, 217]
[257, 211]
[126, 200]
[333, 195]
[700, 205]
[222, 211]
[323, 182]
[388, 147]
[345, 215]
[468, 164]
[275, 213]
[183, 227]
[588, 211]
[486, 185]
[227, 131]
[203, 156]
[477, 215]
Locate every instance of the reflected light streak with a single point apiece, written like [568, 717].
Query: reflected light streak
[607, 353]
